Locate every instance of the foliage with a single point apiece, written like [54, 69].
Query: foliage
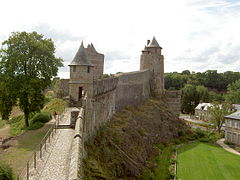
[6, 172]
[17, 125]
[190, 98]
[28, 63]
[55, 104]
[217, 112]
[215, 97]
[163, 162]
[39, 120]
[42, 117]
[7, 99]
[233, 93]
[202, 93]
[210, 79]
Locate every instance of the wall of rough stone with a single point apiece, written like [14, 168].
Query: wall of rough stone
[113, 94]
[173, 99]
[63, 89]
[133, 88]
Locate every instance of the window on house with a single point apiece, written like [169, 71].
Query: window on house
[74, 68]
[232, 123]
[88, 69]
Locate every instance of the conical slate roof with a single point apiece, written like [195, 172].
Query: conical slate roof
[81, 58]
[153, 43]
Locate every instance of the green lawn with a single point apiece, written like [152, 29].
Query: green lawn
[201, 161]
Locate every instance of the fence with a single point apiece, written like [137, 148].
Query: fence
[38, 157]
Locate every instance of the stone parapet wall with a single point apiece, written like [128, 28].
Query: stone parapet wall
[133, 88]
[113, 94]
[102, 86]
[77, 151]
[173, 99]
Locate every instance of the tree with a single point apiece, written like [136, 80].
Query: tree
[27, 60]
[233, 93]
[190, 99]
[203, 93]
[7, 98]
[217, 112]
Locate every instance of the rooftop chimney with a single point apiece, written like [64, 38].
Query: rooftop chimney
[148, 41]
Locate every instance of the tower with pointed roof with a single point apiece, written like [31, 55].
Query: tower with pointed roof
[81, 75]
[153, 60]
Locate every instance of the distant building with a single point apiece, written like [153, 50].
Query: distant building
[232, 126]
[201, 111]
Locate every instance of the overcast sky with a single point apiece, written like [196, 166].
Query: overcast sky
[195, 34]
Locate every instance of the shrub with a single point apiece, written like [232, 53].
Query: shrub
[228, 143]
[42, 117]
[55, 104]
[36, 125]
[5, 172]
[160, 146]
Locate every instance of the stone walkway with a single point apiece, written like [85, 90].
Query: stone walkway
[56, 159]
[226, 147]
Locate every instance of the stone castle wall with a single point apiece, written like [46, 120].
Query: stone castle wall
[113, 94]
[173, 99]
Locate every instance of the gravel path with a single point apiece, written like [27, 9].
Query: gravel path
[54, 165]
[58, 162]
[226, 147]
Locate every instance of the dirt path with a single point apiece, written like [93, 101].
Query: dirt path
[4, 132]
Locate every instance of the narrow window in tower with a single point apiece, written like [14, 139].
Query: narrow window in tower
[80, 90]
[74, 68]
[88, 69]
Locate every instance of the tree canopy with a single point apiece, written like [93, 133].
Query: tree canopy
[233, 93]
[28, 63]
[210, 79]
[217, 112]
[191, 96]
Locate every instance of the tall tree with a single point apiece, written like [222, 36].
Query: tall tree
[202, 93]
[190, 99]
[28, 61]
[217, 112]
[233, 93]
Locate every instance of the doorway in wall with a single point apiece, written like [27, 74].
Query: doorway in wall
[80, 93]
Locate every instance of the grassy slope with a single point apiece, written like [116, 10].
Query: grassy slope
[163, 163]
[122, 147]
[204, 161]
[22, 148]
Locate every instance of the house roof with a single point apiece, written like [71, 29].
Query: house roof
[203, 106]
[235, 115]
[80, 58]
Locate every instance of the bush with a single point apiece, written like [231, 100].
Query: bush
[5, 172]
[42, 117]
[55, 104]
[34, 126]
[160, 146]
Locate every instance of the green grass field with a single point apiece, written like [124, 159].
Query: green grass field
[201, 161]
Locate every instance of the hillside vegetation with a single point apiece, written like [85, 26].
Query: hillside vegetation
[122, 147]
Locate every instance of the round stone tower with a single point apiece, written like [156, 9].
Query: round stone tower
[81, 76]
[153, 60]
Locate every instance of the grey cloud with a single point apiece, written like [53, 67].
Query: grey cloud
[55, 34]
[231, 56]
[116, 55]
